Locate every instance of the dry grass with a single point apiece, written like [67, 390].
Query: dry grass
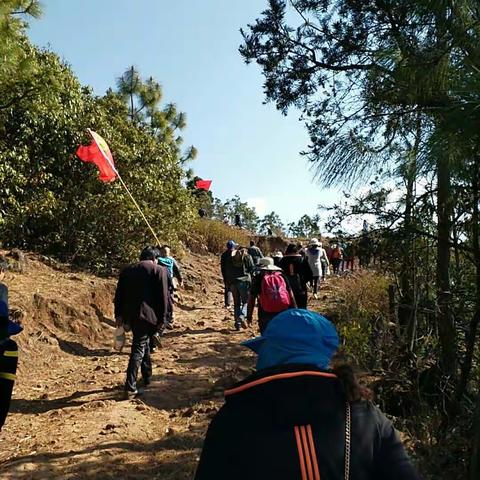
[211, 236]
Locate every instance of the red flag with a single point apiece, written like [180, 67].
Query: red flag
[99, 154]
[203, 184]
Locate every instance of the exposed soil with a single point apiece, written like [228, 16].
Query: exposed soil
[69, 419]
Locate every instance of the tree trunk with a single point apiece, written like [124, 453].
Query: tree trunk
[444, 317]
[475, 460]
[471, 334]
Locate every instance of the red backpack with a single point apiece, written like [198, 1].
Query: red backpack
[274, 295]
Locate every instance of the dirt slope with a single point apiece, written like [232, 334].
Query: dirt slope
[68, 419]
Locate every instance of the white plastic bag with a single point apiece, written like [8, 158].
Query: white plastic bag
[119, 338]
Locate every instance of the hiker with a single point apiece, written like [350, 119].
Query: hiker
[202, 213]
[273, 291]
[318, 262]
[254, 252]
[277, 257]
[228, 298]
[337, 257]
[298, 272]
[238, 220]
[141, 304]
[8, 347]
[299, 419]
[165, 259]
[349, 256]
[237, 267]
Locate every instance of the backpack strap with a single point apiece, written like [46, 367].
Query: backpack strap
[348, 439]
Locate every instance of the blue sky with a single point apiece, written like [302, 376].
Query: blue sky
[191, 48]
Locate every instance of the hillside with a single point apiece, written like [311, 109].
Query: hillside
[68, 419]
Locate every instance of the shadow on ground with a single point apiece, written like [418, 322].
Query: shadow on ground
[170, 458]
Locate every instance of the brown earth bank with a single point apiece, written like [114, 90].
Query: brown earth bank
[69, 419]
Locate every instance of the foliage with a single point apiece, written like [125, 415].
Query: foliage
[234, 206]
[52, 202]
[306, 227]
[273, 222]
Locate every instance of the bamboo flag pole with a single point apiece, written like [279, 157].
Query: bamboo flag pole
[126, 188]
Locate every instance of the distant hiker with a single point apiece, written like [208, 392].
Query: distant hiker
[298, 272]
[238, 221]
[337, 257]
[141, 304]
[269, 231]
[318, 262]
[226, 221]
[228, 298]
[300, 419]
[237, 266]
[254, 252]
[202, 213]
[349, 256]
[166, 260]
[8, 348]
[277, 257]
[273, 291]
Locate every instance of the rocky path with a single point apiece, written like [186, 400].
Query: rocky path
[69, 420]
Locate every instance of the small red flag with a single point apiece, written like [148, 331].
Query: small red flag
[99, 154]
[203, 184]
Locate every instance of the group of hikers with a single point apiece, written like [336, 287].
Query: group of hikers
[301, 415]
[278, 282]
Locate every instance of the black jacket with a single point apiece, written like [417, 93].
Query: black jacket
[8, 370]
[288, 423]
[297, 270]
[142, 294]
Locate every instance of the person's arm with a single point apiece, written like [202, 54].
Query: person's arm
[118, 300]
[390, 460]
[8, 370]
[223, 260]
[163, 295]
[218, 452]
[293, 303]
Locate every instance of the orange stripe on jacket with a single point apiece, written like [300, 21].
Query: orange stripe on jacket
[313, 453]
[300, 453]
[308, 457]
[279, 376]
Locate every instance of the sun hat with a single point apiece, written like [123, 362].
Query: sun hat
[314, 241]
[266, 263]
[295, 336]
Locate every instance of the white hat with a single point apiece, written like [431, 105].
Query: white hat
[266, 263]
[314, 241]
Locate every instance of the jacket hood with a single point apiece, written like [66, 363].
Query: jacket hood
[289, 395]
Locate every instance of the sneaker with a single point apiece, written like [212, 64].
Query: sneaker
[129, 394]
[238, 326]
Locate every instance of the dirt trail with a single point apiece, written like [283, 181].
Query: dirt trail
[69, 420]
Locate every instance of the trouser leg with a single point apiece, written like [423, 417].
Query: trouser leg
[315, 285]
[139, 356]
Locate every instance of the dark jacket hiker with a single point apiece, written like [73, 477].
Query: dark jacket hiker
[298, 272]
[291, 420]
[141, 302]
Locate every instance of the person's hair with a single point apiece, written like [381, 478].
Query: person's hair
[252, 243]
[354, 391]
[149, 253]
[292, 248]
